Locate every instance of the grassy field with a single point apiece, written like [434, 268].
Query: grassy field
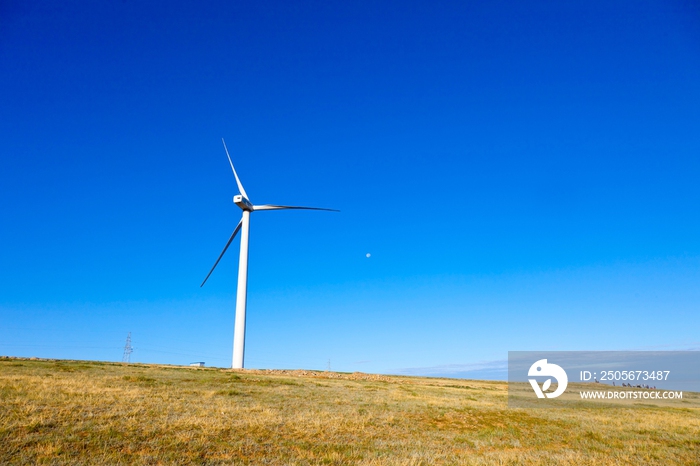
[76, 412]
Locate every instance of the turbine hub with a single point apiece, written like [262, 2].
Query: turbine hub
[242, 202]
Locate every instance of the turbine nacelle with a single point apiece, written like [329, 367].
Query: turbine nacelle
[242, 202]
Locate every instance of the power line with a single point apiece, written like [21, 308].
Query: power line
[59, 346]
[127, 349]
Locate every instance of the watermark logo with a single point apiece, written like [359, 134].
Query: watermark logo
[583, 379]
[542, 368]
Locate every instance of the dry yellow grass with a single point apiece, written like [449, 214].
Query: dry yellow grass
[68, 412]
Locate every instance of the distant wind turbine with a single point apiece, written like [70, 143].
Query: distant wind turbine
[244, 203]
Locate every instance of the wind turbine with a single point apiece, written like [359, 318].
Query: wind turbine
[242, 200]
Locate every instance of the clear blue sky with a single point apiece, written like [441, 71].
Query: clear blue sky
[525, 176]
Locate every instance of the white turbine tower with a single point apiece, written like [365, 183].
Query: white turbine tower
[244, 203]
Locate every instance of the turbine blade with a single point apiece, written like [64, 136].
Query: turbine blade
[233, 235]
[282, 207]
[238, 181]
